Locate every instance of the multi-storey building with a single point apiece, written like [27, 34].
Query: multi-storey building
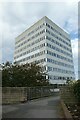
[48, 45]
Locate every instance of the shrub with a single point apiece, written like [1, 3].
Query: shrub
[76, 88]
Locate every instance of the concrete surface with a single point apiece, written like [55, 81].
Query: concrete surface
[49, 107]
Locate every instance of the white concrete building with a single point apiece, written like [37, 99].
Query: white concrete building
[50, 46]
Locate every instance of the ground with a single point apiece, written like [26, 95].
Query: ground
[74, 109]
[48, 107]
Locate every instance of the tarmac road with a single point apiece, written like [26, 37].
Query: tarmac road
[48, 107]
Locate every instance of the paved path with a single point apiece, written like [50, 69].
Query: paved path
[48, 107]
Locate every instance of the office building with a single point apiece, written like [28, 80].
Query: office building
[49, 46]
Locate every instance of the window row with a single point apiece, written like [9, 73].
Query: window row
[37, 61]
[33, 49]
[57, 31]
[59, 63]
[32, 43]
[36, 29]
[57, 43]
[30, 33]
[31, 38]
[41, 32]
[60, 70]
[40, 61]
[59, 56]
[31, 56]
[59, 50]
[57, 37]
[60, 78]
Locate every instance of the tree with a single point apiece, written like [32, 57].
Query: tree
[70, 82]
[15, 75]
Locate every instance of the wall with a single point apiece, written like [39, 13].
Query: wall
[22, 94]
[13, 95]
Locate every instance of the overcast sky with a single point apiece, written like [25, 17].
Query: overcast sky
[18, 16]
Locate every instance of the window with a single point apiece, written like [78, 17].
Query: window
[49, 68]
[48, 31]
[47, 25]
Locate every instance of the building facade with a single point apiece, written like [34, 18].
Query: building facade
[48, 45]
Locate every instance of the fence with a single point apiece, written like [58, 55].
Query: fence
[22, 94]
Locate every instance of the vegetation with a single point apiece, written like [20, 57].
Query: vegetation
[71, 97]
[15, 75]
[70, 82]
[75, 85]
[76, 88]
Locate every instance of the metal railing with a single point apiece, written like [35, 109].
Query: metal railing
[38, 92]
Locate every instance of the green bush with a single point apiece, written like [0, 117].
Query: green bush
[76, 88]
